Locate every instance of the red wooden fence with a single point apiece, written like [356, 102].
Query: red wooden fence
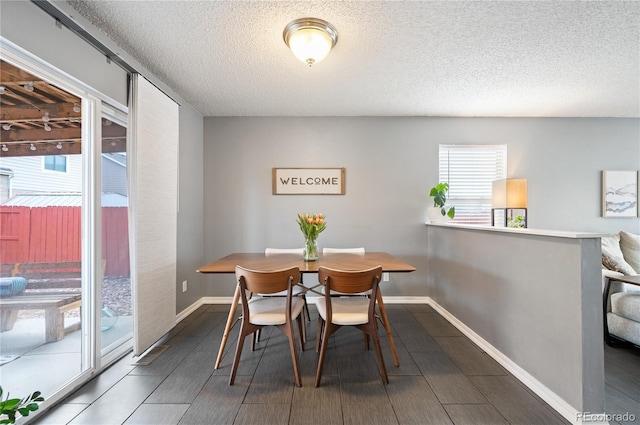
[54, 234]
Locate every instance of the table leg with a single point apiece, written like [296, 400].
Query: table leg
[385, 322]
[54, 324]
[227, 328]
[9, 316]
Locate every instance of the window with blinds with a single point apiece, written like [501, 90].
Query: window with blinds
[470, 170]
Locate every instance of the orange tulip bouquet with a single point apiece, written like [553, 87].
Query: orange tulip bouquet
[311, 226]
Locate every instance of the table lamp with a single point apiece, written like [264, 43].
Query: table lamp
[508, 195]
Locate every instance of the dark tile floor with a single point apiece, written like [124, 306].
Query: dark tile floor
[443, 378]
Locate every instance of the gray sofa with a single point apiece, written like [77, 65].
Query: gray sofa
[621, 256]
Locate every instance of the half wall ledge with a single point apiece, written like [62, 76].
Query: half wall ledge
[533, 297]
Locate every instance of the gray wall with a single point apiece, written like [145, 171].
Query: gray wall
[526, 295]
[391, 162]
[190, 212]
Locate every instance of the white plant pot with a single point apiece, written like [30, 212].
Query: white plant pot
[435, 216]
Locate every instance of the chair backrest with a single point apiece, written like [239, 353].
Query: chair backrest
[350, 282]
[269, 251]
[343, 250]
[267, 282]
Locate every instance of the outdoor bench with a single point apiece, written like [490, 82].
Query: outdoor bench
[44, 291]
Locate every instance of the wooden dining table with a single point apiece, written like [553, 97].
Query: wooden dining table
[271, 262]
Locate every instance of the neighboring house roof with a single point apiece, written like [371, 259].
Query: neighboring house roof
[118, 158]
[62, 200]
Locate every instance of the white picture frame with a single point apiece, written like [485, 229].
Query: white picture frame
[620, 193]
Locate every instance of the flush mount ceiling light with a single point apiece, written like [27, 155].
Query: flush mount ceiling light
[310, 39]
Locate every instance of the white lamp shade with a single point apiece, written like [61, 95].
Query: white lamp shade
[310, 39]
[509, 193]
[310, 45]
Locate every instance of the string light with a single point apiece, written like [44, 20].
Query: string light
[29, 86]
[46, 117]
[47, 127]
[32, 147]
[59, 145]
[6, 127]
[4, 148]
[76, 108]
[2, 89]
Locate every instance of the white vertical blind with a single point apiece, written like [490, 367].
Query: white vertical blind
[470, 171]
[153, 212]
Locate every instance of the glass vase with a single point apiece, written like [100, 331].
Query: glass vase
[310, 252]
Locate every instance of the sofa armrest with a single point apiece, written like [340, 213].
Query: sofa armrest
[606, 274]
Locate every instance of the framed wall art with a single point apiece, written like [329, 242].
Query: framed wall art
[308, 181]
[620, 193]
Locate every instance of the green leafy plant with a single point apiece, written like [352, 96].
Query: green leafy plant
[11, 406]
[515, 222]
[439, 194]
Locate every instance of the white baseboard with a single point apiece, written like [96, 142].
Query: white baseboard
[546, 394]
[227, 300]
[193, 307]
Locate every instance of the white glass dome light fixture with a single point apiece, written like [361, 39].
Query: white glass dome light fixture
[310, 39]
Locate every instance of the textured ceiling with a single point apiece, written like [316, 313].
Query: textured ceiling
[393, 58]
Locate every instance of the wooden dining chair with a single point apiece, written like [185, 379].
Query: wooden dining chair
[335, 312]
[343, 250]
[258, 312]
[329, 251]
[298, 291]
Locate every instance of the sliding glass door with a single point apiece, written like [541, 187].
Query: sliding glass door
[65, 293]
[116, 318]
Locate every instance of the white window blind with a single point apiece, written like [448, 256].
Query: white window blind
[154, 124]
[470, 170]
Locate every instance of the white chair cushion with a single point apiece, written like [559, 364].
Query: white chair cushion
[346, 310]
[626, 304]
[270, 311]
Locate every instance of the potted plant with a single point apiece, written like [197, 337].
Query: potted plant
[439, 212]
[311, 226]
[10, 407]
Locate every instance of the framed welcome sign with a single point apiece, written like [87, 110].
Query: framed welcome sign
[308, 181]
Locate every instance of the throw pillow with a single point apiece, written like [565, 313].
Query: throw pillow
[612, 257]
[630, 247]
